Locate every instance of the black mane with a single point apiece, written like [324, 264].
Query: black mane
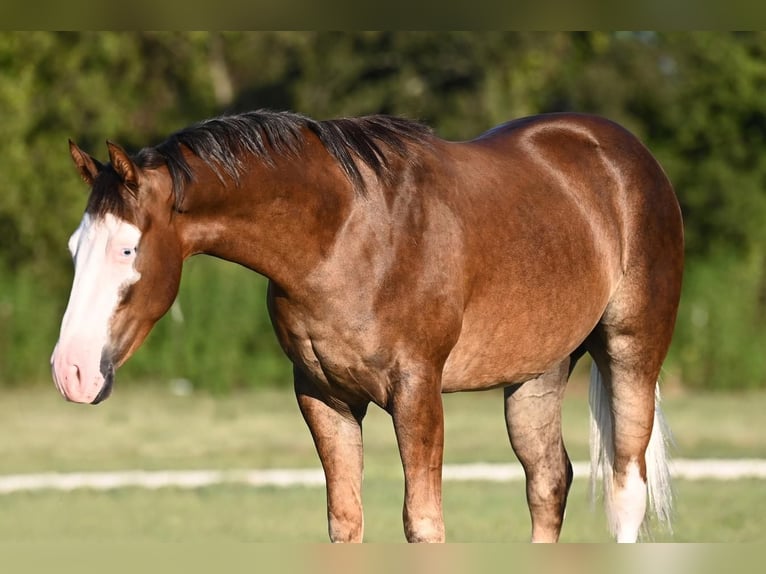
[222, 141]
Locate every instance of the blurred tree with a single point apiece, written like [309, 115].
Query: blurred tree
[696, 101]
[84, 86]
[459, 82]
[716, 152]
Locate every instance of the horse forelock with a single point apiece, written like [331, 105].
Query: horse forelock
[223, 142]
[109, 196]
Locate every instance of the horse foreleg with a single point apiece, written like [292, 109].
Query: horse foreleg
[337, 434]
[533, 419]
[418, 418]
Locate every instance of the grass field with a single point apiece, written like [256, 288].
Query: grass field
[153, 428]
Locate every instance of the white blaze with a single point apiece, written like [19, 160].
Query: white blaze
[104, 252]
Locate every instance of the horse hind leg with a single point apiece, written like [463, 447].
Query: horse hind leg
[627, 430]
[629, 345]
[533, 419]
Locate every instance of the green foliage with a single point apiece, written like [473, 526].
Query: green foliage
[87, 87]
[719, 336]
[696, 99]
[716, 148]
[30, 313]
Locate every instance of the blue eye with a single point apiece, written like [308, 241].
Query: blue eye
[128, 251]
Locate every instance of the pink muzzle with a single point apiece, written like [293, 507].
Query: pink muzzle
[81, 372]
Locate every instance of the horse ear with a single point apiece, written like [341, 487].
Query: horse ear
[86, 165]
[123, 165]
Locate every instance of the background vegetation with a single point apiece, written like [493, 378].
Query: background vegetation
[696, 99]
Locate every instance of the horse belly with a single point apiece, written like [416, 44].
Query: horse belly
[517, 334]
[478, 362]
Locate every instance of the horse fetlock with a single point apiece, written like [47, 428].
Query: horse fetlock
[425, 530]
[628, 506]
[345, 529]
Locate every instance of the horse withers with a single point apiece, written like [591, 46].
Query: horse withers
[402, 266]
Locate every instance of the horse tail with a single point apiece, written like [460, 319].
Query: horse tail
[602, 456]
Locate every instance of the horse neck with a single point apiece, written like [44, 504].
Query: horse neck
[277, 220]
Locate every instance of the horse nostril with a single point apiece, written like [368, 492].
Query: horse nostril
[73, 373]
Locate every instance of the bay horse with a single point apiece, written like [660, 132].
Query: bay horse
[402, 266]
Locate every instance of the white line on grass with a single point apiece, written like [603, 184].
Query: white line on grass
[690, 469]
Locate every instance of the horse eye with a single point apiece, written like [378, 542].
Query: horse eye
[128, 251]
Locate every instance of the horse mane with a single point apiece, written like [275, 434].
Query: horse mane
[221, 142]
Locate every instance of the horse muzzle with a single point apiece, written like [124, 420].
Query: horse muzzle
[77, 379]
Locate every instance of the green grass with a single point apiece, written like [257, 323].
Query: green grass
[707, 511]
[151, 428]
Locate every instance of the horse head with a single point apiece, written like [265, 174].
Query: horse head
[127, 259]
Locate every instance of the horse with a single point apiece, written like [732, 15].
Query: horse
[401, 266]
